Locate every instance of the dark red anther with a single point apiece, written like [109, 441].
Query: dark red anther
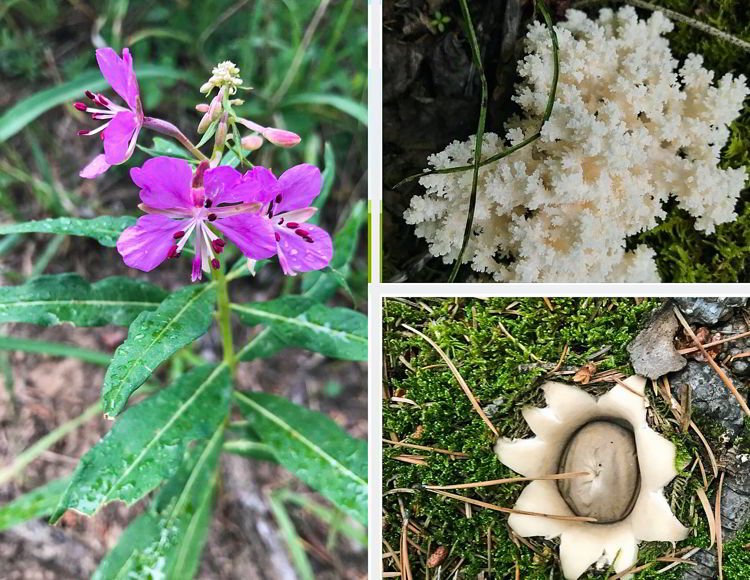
[309, 240]
[302, 233]
[281, 221]
[278, 198]
[172, 252]
[208, 203]
[270, 209]
[212, 217]
[178, 235]
[215, 264]
[80, 106]
[218, 246]
[278, 237]
[90, 95]
[221, 243]
[83, 132]
[292, 225]
[102, 100]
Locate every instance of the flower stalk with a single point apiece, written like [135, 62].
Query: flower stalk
[167, 128]
[225, 324]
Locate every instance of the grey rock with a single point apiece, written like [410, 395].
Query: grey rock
[709, 311]
[710, 397]
[652, 353]
[735, 515]
[705, 568]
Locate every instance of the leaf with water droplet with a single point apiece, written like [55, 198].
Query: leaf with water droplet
[298, 321]
[146, 444]
[167, 540]
[104, 229]
[152, 338]
[53, 299]
[312, 447]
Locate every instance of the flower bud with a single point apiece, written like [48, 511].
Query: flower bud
[252, 142]
[221, 132]
[281, 138]
[214, 111]
[236, 102]
[201, 108]
[203, 125]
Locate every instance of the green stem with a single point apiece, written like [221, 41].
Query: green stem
[167, 128]
[478, 141]
[225, 323]
[550, 103]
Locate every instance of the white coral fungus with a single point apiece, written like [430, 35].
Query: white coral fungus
[627, 132]
[582, 543]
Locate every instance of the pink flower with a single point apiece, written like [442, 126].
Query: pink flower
[301, 247]
[179, 203]
[120, 132]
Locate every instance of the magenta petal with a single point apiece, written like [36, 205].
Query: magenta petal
[117, 137]
[164, 182]
[251, 233]
[297, 255]
[259, 184]
[220, 184]
[96, 167]
[298, 187]
[145, 245]
[119, 73]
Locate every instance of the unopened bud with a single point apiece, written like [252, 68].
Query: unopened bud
[221, 132]
[252, 142]
[203, 125]
[201, 108]
[236, 102]
[214, 111]
[281, 138]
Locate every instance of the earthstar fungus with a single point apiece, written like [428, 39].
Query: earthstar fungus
[629, 465]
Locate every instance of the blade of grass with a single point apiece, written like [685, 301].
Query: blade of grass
[550, 103]
[54, 349]
[292, 539]
[477, 58]
[46, 257]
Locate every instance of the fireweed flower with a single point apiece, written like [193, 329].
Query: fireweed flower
[301, 247]
[120, 132]
[179, 203]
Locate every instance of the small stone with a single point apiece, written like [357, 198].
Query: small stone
[607, 451]
[709, 311]
[652, 352]
[710, 397]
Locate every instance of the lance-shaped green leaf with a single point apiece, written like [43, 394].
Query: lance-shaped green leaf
[53, 299]
[146, 445]
[312, 447]
[299, 321]
[104, 229]
[168, 539]
[321, 285]
[153, 338]
[37, 503]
